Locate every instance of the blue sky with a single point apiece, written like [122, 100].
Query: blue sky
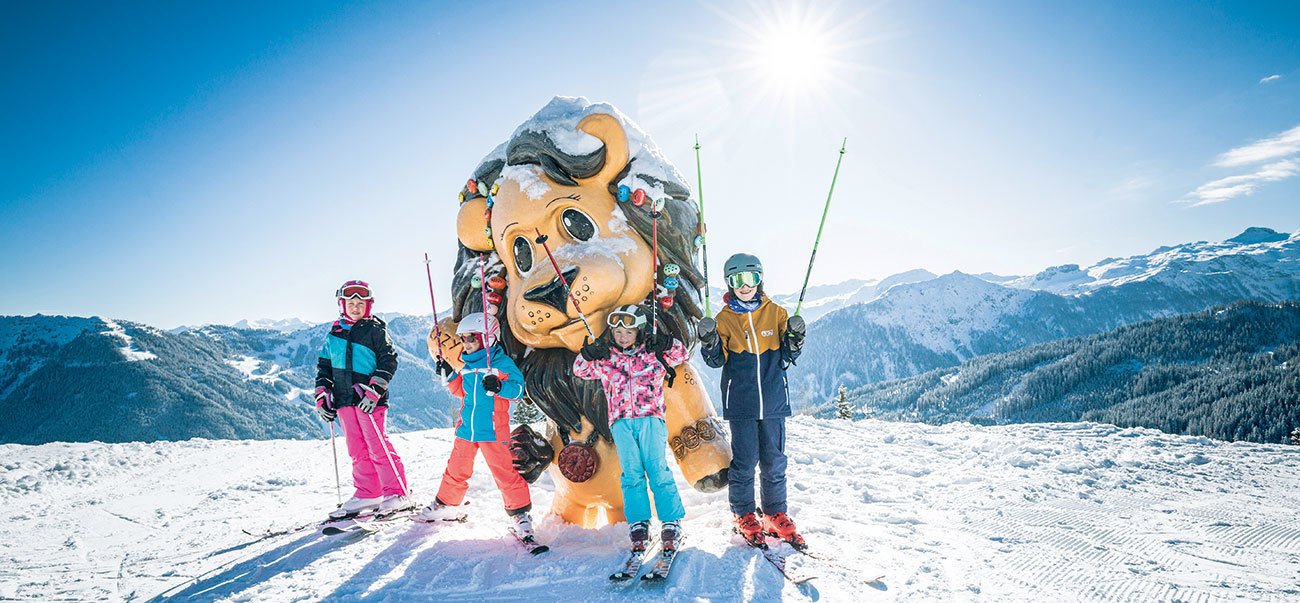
[182, 163]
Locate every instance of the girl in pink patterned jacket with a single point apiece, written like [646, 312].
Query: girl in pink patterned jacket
[633, 379]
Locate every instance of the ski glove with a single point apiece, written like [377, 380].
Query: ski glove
[595, 350]
[707, 330]
[370, 394]
[659, 343]
[492, 383]
[444, 370]
[795, 330]
[325, 404]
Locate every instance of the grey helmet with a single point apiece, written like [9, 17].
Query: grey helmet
[742, 262]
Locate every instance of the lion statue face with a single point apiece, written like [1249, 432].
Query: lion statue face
[605, 262]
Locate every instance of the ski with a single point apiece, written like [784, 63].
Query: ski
[821, 559]
[659, 572]
[631, 566]
[272, 533]
[781, 561]
[530, 544]
[369, 523]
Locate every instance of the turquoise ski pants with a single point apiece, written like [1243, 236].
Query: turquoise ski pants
[641, 444]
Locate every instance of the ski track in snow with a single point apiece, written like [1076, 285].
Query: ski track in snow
[946, 513]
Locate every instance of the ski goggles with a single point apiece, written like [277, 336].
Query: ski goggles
[626, 320]
[743, 279]
[351, 291]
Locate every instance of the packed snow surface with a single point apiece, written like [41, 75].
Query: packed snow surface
[1046, 512]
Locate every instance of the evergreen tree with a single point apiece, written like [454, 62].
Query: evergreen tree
[842, 408]
[1295, 437]
[527, 412]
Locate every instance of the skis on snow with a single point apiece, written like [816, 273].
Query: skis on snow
[659, 572]
[530, 544]
[631, 566]
[793, 563]
[369, 523]
[316, 523]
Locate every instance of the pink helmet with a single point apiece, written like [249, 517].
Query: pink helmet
[355, 289]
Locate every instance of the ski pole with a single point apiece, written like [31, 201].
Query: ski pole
[383, 439]
[541, 240]
[437, 332]
[818, 241]
[487, 326]
[338, 487]
[654, 277]
[704, 241]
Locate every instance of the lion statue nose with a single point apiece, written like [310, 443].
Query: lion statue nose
[552, 293]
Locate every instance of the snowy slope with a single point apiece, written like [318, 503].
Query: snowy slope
[955, 512]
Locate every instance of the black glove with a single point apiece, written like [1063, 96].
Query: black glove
[492, 383]
[795, 331]
[707, 330]
[531, 452]
[443, 369]
[595, 350]
[659, 344]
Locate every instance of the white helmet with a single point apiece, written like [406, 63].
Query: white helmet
[474, 323]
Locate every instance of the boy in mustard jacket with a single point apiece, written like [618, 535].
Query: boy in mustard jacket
[754, 340]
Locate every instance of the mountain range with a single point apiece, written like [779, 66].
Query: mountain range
[81, 379]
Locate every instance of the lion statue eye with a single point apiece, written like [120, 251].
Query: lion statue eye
[523, 254]
[578, 224]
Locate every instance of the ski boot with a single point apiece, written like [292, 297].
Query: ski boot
[356, 506]
[639, 533]
[779, 525]
[440, 511]
[394, 503]
[522, 526]
[522, 529]
[670, 535]
[750, 529]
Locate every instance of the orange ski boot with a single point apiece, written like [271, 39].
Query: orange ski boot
[779, 525]
[750, 529]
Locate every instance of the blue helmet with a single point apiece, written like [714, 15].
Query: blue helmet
[742, 262]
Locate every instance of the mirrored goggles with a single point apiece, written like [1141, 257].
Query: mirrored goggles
[742, 279]
[627, 320]
[355, 292]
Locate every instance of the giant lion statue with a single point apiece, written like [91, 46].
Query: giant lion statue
[555, 184]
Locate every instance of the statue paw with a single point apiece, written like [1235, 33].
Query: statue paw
[712, 483]
[531, 452]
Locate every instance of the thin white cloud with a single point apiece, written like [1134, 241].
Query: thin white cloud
[1225, 189]
[1272, 78]
[1282, 145]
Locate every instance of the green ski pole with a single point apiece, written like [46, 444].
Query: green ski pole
[820, 227]
[704, 241]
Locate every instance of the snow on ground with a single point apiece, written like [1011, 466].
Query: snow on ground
[953, 512]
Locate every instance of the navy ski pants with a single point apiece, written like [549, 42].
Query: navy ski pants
[761, 443]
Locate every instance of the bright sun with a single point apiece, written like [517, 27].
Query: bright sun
[792, 55]
[795, 54]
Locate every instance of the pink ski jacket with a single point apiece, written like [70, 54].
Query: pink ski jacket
[633, 380]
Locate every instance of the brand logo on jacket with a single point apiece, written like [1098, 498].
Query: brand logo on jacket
[767, 333]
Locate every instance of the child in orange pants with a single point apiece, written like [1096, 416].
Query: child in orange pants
[483, 425]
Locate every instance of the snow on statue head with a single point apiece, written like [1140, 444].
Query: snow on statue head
[559, 174]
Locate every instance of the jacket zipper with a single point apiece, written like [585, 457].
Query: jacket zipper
[758, 362]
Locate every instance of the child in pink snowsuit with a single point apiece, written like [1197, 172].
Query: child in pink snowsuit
[352, 375]
[632, 376]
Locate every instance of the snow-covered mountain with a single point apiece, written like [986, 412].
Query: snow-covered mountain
[1045, 512]
[1231, 372]
[919, 326]
[82, 379]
